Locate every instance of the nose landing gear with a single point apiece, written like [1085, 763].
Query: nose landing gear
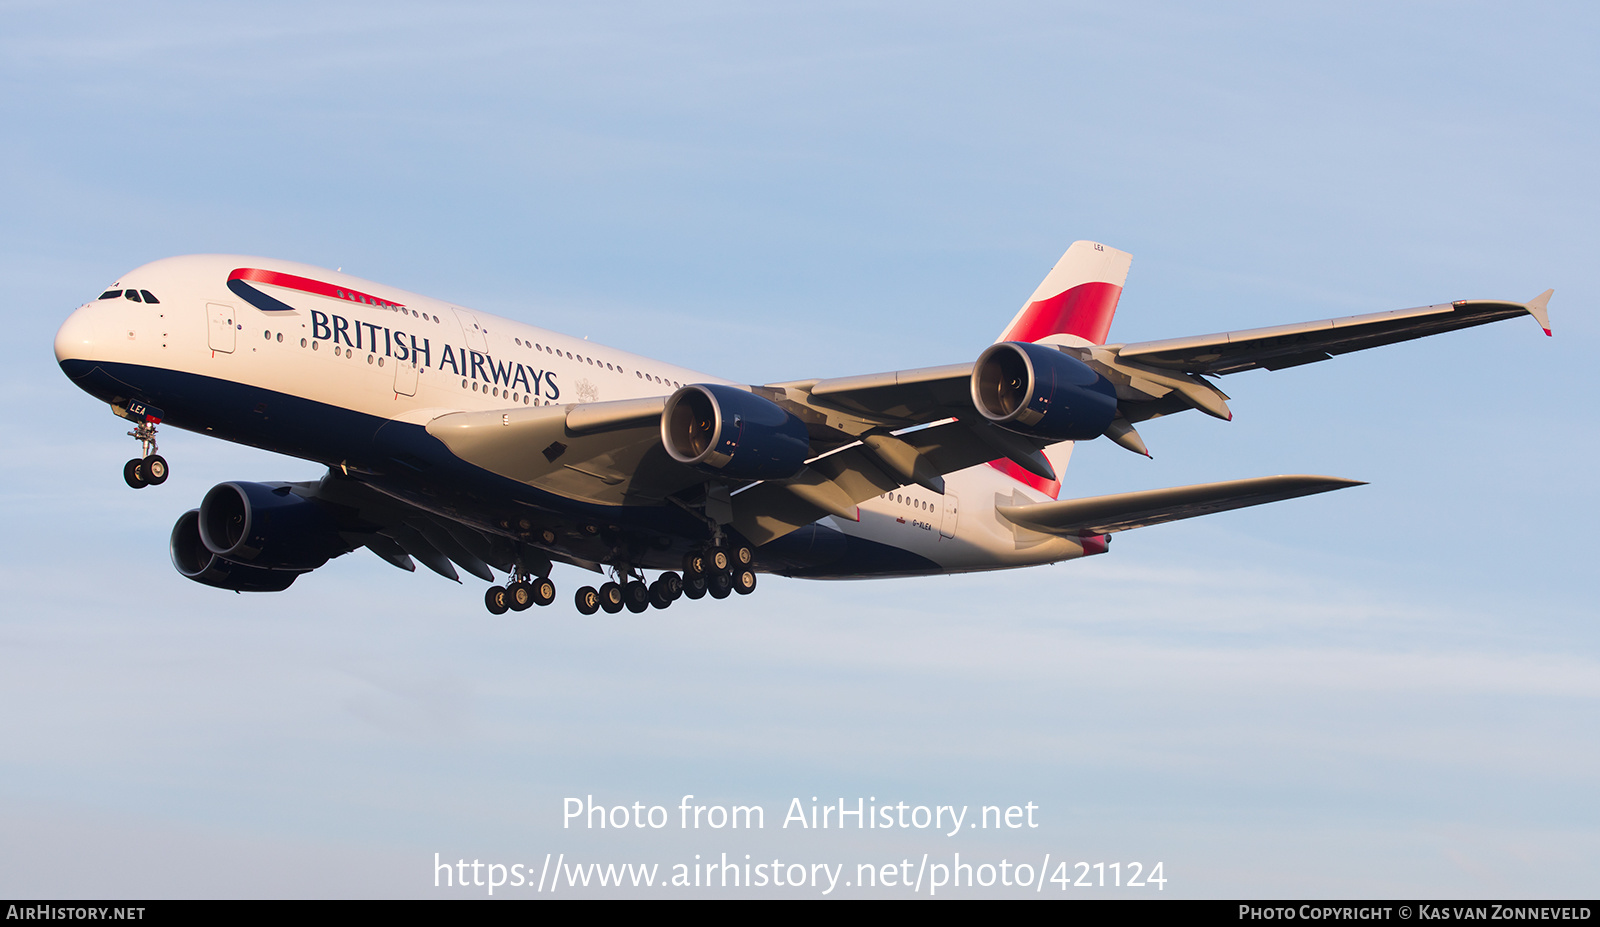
[151, 468]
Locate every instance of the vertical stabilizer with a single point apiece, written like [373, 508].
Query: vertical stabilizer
[1077, 298]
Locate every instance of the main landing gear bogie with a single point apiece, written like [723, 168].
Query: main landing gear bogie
[718, 571]
[521, 594]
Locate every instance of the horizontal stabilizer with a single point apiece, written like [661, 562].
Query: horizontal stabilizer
[1107, 514]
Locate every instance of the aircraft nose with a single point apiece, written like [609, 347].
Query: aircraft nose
[75, 338]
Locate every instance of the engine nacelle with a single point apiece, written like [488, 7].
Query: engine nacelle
[733, 433]
[268, 527]
[194, 560]
[1036, 390]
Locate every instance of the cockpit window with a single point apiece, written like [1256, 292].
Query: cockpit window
[131, 294]
[110, 294]
[148, 297]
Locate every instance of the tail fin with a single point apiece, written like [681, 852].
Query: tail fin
[1078, 297]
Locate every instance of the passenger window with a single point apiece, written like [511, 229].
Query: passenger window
[148, 298]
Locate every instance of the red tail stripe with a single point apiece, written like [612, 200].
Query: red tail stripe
[1085, 311]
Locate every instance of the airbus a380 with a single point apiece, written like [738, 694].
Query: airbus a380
[459, 439]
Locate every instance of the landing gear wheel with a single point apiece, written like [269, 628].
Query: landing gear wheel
[694, 587]
[719, 585]
[155, 470]
[694, 563]
[133, 473]
[149, 468]
[587, 600]
[743, 556]
[637, 596]
[658, 594]
[744, 582]
[544, 592]
[519, 595]
[672, 584]
[611, 598]
[496, 600]
[717, 560]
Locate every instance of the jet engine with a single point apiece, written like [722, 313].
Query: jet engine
[734, 433]
[190, 556]
[268, 526]
[1038, 391]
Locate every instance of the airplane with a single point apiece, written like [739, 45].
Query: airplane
[462, 440]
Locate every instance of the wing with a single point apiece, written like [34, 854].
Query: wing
[404, 534]
[872, 433]
[1155, 378]
[1308, 342]
[608, 453]
[1108, 514]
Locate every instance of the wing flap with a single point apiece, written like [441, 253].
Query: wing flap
[836, 483]
[1120, 512]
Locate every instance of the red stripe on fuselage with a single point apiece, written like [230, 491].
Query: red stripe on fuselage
[307, 285]
[1085, 311]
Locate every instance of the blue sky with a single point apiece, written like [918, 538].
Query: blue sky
[1390, 690]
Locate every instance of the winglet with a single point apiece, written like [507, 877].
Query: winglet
[1539, 308]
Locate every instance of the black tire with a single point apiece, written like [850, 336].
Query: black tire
[659, 597]
[673, 584]
[717, 560]
[694, 563]
[695, 587]
[588, 600]
[743, 556]
[133, 473]
[519, 596]
[611, 598]
[544, 592]
[495, 600]
[637, 596]
[744, 582]
[719, 585]
[155, 470]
